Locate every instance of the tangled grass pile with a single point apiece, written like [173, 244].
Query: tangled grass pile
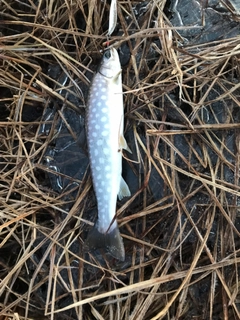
[181, 226]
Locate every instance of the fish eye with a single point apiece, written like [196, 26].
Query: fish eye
[107, 54]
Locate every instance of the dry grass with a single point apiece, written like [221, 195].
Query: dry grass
[181, 226]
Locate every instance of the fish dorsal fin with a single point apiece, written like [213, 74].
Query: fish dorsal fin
[124, 190]
[123, 144]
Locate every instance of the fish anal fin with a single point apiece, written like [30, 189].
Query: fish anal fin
[111, 241]
[124, 190]
[123, 144]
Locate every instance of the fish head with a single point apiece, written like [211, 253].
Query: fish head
[110, 65]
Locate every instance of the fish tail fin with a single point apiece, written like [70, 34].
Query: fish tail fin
[111, 240]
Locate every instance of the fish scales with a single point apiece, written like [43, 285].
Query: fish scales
[105, 139]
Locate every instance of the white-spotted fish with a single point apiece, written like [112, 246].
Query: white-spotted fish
[105, 139]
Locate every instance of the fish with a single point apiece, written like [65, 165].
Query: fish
[105, 141]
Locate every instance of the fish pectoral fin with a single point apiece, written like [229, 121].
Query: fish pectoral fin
[124, 190]
[123, 144]
[115, 78]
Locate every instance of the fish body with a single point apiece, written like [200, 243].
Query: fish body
[105, 140]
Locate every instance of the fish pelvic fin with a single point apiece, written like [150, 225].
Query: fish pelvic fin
[124, 190]
[123, 144]
[112, 241]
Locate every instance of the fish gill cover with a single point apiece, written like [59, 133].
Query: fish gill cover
[180, 227]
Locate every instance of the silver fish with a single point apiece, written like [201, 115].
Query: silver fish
[105, 140]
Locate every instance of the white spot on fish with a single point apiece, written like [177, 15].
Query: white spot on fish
[104, 110]
[94, 134]
[99, 142]
[106, 126]
[106, 151]
[97, 126]
[99, 104]
[98, 168]
[104, 89]
[96, 152]
[107, 168]
[104, 119]
[104, 133]
[100, 190]
[94, 109]
[101, 160]
[103, 97]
